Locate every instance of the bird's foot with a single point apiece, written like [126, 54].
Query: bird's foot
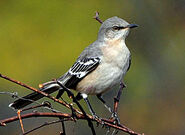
[95, 117]
[98, 119]
[115, 118]
[73, 113]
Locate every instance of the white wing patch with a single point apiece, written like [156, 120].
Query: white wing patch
[84, 66]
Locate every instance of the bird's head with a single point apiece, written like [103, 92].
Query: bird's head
[114, 28]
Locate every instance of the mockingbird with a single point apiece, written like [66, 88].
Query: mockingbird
[101, 66]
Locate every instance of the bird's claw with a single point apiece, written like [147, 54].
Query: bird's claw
[115, 118]
[95, 117]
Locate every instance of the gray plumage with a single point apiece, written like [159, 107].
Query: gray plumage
[105, 62]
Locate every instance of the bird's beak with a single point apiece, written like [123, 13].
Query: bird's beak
[132, 26]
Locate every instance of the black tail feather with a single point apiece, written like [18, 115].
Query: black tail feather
[28, 99]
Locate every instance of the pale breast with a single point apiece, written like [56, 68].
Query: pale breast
[110, 72]
[117, 53]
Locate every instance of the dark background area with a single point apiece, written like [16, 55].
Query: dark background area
[40, 40]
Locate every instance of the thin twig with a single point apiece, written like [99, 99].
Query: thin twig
[44, 104]
[97, 17]
[20, 120]
[46, 124]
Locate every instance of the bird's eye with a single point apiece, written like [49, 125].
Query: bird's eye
[117, 27]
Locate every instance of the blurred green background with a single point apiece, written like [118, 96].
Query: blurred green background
[40, 40]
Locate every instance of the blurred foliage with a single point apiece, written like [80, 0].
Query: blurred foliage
[40, 40]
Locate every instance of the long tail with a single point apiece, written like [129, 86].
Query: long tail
[48, 87]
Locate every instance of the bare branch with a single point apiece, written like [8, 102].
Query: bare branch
[38, 91]
[80, 115]
[66, 115]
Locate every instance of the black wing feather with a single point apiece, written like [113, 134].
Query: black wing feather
[80, 69]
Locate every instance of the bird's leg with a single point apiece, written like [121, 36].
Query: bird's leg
[85, 97]
[60, 93]
[99, 96]
[71, 95]
[79, 97]
[116, 101]
[73, 113]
